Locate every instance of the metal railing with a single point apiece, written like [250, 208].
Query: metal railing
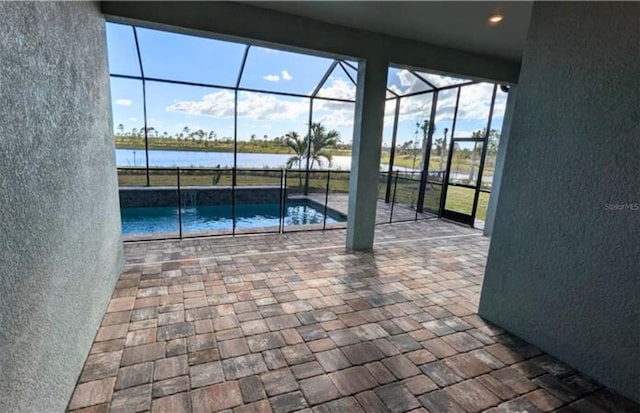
[294, 195]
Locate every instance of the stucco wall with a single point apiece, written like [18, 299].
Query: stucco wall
[60, 249]
[563, 268]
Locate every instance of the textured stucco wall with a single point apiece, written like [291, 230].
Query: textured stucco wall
[60, 249]
[563, 268]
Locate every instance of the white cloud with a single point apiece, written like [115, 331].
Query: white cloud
[271, 78]
[407, 83]
[339, 89]
[475, 102]
[250, 105]
[271, 107]
[341, 114]
[414, 107]
[474, 105]
[441, 80]
[265, 107]
[286, 75]
[124, 102]
[336, 114]
[133, 119]
[218, 104]
[336, 117]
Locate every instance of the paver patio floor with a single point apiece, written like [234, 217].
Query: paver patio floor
[295, 322]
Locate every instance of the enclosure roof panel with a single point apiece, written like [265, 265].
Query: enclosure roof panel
[279, 71]
[123, 55]
[173, 56]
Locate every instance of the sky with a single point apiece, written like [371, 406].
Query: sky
[171, 107]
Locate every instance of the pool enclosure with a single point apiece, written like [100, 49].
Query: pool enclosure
[204, 123]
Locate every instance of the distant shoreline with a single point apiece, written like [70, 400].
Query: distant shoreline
[170, 144]
[337, 152]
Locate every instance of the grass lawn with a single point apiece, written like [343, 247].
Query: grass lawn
[461, 200]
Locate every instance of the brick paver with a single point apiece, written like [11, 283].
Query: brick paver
[296, 322]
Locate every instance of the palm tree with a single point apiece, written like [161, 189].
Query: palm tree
[494, 140]
[120, 129]
[441, 146]
[415, 148]
[424, 128]
[299, 148]
[321, 140]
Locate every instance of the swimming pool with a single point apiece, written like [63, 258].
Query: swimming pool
[216, 218]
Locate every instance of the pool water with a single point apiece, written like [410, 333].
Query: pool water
[198, 219]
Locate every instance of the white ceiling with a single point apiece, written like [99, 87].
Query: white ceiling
[457, 24]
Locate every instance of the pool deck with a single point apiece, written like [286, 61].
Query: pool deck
[294, 322]
[401, 213]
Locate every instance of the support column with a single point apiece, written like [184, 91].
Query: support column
[502, 150]
[365, 157]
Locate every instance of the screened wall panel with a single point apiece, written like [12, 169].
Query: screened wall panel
[413, 127]
[465, 163]
[337, 120]
[494, 138]
[473, 110]
[445, 111]
[264, 121]
[189, 126]
[387, 133]
[127, 106]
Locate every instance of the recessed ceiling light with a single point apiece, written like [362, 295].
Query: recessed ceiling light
[495, 19]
